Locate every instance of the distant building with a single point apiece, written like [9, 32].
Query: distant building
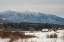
[59, 28]
[45, 30]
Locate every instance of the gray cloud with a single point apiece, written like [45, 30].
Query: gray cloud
[55, 7]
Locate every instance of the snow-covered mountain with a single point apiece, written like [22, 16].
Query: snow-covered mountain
[5, 21]
[27, 16]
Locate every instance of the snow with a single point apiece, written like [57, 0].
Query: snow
[41, 37]
[4, 40]
[51, 33]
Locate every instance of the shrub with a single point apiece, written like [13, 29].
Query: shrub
[52, 36]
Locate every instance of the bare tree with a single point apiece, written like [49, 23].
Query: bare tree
[31, 29]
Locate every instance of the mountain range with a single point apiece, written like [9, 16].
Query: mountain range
[33, 17]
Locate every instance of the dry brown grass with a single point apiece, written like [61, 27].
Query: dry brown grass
[14, 35]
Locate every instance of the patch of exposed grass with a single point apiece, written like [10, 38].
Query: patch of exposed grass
[14, 35]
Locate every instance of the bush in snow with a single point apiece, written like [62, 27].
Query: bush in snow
[52, 34]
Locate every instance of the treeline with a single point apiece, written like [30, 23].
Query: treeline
[25, 26]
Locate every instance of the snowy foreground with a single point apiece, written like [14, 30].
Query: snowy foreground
[40, 37]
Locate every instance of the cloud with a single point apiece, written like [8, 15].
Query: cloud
[55, 7]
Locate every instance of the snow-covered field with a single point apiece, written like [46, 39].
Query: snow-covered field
[40, 37]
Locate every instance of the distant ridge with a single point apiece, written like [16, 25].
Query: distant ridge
[27, 16]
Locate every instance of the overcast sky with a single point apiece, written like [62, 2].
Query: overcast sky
[55, 7]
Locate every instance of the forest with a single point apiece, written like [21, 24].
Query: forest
[26, 26]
